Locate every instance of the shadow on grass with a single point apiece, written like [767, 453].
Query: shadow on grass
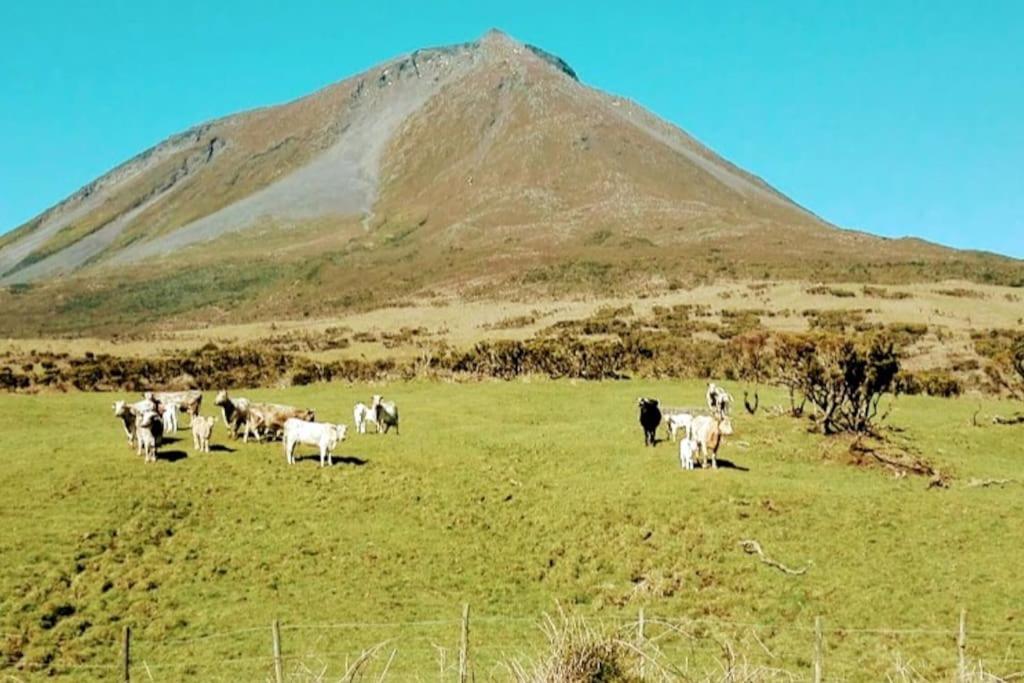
[171, 456]
[337, 459]
[724, 464]
[221, 448]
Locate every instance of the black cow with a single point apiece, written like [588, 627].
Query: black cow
[650, 418]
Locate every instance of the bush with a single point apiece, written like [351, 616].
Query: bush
[844, 379]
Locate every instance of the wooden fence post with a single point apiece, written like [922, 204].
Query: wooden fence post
[640, 624]
[275, 631]
[961, 648]
[464, 646]
[126, 655]
[819, 650]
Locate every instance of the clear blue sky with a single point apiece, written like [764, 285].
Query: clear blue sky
[896, 117]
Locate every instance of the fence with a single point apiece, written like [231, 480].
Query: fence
[484, 647]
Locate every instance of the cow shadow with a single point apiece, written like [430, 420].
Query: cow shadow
[724, 464]
[171, 456]
[221, 448]
[337, 459]
[170, 439]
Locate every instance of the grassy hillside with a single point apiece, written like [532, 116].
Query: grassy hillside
[513, 497]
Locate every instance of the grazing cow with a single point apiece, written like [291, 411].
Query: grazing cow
[149, 430]
[324, 435]
[271, 418]
[650, 418]
[235, 413]
[362, 416]
[687, 449]
[385, 413]
[202, 430]
[187, 401]
[708, 431]
[719, 400]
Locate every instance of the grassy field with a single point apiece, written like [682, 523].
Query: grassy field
[517, 498]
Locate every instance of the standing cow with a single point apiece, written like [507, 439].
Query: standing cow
[650, 418]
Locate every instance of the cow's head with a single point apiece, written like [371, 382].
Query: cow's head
[120, 408]
[337, 436]
[725, 426]
[222, 397]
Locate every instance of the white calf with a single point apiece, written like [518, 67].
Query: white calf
[129, 414]
[687, 449]
[149, 431]
[362, 416]
[322, 434]
[202, 430]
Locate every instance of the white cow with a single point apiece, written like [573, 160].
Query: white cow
[170, 417]
[322, 434]
[362, 416]
[675, 422]
[708, 431]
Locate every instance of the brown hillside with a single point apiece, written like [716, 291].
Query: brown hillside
[486, 168]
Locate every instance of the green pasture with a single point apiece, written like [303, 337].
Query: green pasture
[520, 499]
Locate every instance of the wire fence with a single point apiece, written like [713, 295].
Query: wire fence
[488, 647]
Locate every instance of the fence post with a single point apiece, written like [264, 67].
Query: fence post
[126, 656]
[640, 624]
[819, 650]
[464, 646]
[961, 648]
[275, 631]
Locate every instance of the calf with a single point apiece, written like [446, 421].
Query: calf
[687, 449]
[129, 414]
[202, 430]
[321, 434]
[362, 416]
[650, 418]
[149, 430]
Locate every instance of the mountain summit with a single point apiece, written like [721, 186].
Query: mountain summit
[485, 163]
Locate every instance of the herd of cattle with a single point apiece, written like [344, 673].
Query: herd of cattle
[700, 433]
[146, 422]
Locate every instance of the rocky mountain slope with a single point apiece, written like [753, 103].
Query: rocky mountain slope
[487, 167]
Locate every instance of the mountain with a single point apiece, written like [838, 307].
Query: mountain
[486, 168]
